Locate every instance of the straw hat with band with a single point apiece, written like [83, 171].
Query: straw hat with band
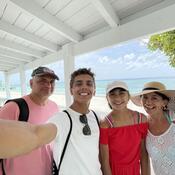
[155, 87]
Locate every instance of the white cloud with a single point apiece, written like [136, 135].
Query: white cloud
[144, 41]
[130, 56]
[150, 60]
[104, 59]
[135, 61]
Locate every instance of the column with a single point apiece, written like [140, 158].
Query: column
[7, 84]
[68, 57]
[22, 80]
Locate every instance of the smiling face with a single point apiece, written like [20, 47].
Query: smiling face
[153, 103]
[83, 88]
[118, 99]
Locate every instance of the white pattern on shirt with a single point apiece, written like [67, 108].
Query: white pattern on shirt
[161, 149]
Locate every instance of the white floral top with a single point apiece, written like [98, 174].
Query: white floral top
[161, 150]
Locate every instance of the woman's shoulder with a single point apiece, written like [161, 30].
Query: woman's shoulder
[104, 123]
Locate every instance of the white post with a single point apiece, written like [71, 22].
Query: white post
[23, 80]
[7, 84]
[68, 57]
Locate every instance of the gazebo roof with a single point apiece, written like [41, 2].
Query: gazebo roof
[35, 32]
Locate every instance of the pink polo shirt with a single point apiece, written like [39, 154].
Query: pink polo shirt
[39, 161]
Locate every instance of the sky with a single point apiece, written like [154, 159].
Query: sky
[127, 61]
[124, 61]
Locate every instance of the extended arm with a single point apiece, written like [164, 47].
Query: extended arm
[18, 138]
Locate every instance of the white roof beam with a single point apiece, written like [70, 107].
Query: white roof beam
[107, 11]
[10, 60]
[7, 63]
[20, 48]
[155, 22]
[146, 25]
[15, 55]
[54, 23]
[17, 32]
[45, 60]
[6, 66]
[4, 69]
[148, 11]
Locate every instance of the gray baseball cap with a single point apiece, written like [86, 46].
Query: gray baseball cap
[41, 71]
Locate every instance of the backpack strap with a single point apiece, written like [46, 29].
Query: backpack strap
[96, 118]
[23, 108]
[55, 170]
[2, 166]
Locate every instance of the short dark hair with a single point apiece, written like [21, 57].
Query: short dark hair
[81, 71]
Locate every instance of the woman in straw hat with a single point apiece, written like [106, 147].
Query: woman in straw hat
[159, 103]
[122, 135]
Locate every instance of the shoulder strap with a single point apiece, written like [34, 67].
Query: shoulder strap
[96, 118]
[109, 120]
[168, 117]
[23, 108]
[55, 169]
[139, 117]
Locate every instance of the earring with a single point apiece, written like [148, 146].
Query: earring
[164, 108]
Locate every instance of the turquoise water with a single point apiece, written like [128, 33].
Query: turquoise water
[135, 85]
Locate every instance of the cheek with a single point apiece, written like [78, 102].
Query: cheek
[93, 91]
[162, 105]
[142, 102]
[53, 87]
[127, 98]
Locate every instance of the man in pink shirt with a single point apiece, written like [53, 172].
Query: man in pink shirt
[37, 162]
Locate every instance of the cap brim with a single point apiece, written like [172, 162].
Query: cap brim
[48, 74]
[110, 89]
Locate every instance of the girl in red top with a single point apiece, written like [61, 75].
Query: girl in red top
[122, 138]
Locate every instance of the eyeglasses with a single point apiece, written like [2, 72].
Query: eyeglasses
[86, 129]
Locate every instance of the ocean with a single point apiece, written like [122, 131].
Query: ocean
[135, 85]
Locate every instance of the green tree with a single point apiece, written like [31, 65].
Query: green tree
[166, 43]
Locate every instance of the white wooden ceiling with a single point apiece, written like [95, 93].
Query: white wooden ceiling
[35, 31]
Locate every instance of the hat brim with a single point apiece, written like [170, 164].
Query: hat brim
[118, 87]
[48, 74]
[136, 98]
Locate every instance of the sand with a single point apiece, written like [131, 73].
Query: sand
[98, 103]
